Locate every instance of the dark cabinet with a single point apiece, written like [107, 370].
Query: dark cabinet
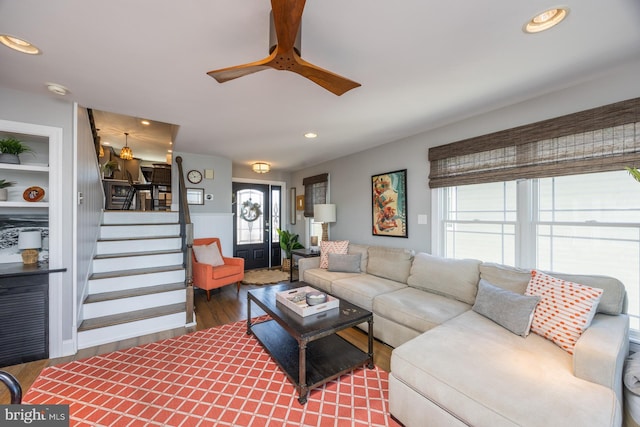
[24, 313]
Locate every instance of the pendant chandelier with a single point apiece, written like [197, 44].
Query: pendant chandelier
[126, 153]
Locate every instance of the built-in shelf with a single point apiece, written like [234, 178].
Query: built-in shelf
[25, 168]
[24, 204]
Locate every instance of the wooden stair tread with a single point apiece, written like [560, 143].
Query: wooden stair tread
[133, 254]
[139, 224]
[125, 239]
[135, 272]
[135, 292]
[132, 316]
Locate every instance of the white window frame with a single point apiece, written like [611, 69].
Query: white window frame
[526, 226]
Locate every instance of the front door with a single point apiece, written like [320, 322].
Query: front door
[257, 216]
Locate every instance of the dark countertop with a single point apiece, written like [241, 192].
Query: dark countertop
[14, 269]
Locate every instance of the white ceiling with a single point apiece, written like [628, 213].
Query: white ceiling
[422, 64]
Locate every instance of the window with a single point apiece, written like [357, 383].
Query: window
[585, 224]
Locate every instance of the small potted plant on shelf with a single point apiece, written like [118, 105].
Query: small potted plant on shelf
[11, 148]
[109, 167]
[288, 242]
[4, 193]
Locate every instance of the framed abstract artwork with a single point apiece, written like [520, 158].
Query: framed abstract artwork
[389, 204]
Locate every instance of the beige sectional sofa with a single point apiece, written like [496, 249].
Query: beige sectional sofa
[453, 366]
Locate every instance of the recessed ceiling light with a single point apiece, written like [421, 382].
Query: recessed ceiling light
[57, 89]
[18, 44]
[310, 135]
[169, 151]
[545, 20]
[145, 122]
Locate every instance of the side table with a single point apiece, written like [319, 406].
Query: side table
[300, 253]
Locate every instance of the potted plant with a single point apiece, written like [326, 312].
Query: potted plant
[109, 167]
[4, 193]
[10, 148]
[288, 242]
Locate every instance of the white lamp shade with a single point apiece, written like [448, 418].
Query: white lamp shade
[324, 213]
[30, 240]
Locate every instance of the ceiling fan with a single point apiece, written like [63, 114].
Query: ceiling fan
[287, 16]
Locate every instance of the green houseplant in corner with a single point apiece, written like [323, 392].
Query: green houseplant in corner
[288, 242]
[4, 193]
[11, 148]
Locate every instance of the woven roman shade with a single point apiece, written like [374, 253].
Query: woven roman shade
[598, 140]
[315, 192]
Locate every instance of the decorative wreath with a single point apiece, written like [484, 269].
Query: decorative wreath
[250, 211]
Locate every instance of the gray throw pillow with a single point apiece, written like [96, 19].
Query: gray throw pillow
[508, 309]
[349, 263]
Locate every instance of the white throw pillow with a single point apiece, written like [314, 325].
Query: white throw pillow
[208, 254]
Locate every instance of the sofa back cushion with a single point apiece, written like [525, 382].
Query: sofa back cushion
[364, 254]
[613, 301]
[454, 278]
[390, 263]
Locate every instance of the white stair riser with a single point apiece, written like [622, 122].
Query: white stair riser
[140, 217]
[124, 305]
[124, 331]
[134, 231]
[110, 284]
[135, 262]
[143, 245]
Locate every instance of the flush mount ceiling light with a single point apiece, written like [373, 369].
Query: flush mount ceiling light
[145, 122]
[261, 167]
[545, 20]
[310, 135]
[57, 89]
[18, 44]
[126, 153]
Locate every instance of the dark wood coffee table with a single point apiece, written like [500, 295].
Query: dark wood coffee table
[308, 349]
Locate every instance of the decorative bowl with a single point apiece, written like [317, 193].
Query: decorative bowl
[315, 298]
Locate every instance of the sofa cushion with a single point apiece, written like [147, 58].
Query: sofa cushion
[208, 254]
[364, 254]
[510, 278]
[486, 376]
[334, 247]
[390, 263]
[322, 278]
[565, 310]
[613, 301]
[455, 278]
[363, 288]
[508, 309]
[347, 263]
[416, 309]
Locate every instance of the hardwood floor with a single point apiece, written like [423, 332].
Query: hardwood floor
[226, 306]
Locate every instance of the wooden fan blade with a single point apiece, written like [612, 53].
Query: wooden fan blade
[225, 74]
[330, 81]
[287, 15]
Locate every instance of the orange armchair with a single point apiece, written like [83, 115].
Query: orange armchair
[207, 277]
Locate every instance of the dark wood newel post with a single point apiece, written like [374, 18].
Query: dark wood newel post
[186, 230]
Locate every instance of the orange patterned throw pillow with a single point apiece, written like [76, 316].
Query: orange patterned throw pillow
[332, 247]
[565, 310]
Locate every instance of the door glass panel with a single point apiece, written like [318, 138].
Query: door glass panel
[249, 218]
[275, 214]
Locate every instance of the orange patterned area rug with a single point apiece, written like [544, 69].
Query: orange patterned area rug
[219, 376]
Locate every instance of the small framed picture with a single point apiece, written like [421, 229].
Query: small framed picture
[195, 196]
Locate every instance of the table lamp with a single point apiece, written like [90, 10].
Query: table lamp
[29, 242]
[324, 213]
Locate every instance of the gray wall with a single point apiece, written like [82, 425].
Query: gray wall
[350, 176]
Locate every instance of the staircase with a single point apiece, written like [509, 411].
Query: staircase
[137, 286]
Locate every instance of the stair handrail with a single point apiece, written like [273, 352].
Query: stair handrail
[186, 231]
[13, 385]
